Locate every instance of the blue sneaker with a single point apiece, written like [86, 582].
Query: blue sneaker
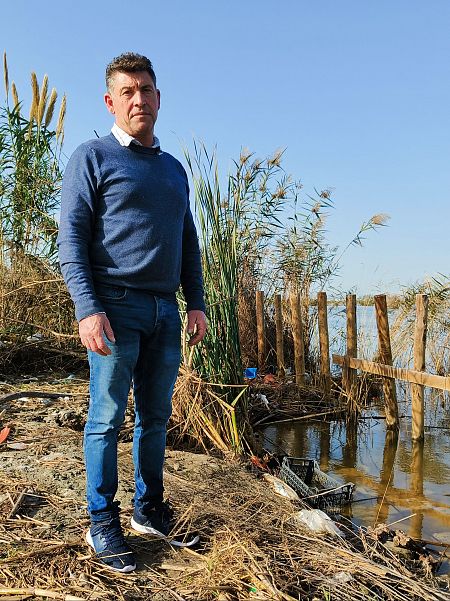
[159, 521]
[108, 542]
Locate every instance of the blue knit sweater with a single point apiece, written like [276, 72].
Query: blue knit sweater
[126, 221]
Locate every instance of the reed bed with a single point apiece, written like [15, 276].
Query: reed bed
[438, 331]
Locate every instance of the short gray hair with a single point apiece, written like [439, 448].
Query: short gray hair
[128, 62]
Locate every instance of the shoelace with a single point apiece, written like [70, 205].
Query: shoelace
[113, 534]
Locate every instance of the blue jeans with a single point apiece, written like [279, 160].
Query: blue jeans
[146, 353]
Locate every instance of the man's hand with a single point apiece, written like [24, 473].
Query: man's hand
[196, 326]
[92, 330]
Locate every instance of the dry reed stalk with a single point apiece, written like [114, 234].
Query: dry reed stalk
[203, 415]
[37, 592]
[33, 300]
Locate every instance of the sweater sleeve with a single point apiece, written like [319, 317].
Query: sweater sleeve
[191, 264]
[79, 191]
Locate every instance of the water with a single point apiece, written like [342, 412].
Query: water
[367, 330]
[408, 480]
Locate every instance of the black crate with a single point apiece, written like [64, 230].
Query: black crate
[316, 488]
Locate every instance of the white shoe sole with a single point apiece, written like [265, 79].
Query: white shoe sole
[153, 532]
[124, 570]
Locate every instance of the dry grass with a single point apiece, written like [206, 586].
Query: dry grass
[250, 548]
[34, 306]
[202, 416]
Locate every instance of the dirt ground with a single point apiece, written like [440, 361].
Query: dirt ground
[247, 550]
[42, 461]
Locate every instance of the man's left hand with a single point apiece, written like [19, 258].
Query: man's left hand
[196, 326]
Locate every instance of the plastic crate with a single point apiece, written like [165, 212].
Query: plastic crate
[316, 488]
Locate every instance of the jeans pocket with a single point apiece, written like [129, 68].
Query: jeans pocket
[110, 293]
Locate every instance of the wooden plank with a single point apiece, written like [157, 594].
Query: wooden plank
[385, 353]
[297, 333]
[399, 373]
[260, 329]
[420, 337]
[349, 375]
[324, 341]
[279, 335]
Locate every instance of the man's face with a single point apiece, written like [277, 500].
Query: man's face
[134, 100]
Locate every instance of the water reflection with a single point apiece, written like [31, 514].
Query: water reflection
[403, 479]
[417, 486]
[386, 476]
[350, 450]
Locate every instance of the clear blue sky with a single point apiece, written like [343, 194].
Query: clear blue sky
[358, 93]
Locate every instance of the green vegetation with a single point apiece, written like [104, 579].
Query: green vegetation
[30, 171]
[33, 295]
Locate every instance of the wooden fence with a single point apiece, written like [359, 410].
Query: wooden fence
[350, 362]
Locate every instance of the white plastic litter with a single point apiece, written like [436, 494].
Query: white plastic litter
[342, 578]
[35, 337]
[263, 398]
[316, 521]
[281, 488]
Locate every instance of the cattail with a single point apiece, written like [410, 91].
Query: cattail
[62, 114]
[5, 73]
[51, 107]
[15, 95]
[42, 100]
[35, 100]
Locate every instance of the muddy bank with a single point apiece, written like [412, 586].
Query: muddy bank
[250, 547]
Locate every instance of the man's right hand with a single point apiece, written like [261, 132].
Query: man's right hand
[92, 333]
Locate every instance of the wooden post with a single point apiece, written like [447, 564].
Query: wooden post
[297, 332]
[324, 341]
[260, 329]
[420, 340]
[349, 375]
[279, 334]
[385, 353]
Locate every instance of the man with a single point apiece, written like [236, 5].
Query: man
[126, 241]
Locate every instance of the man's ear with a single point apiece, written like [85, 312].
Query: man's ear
[159, 99]
[109, 102]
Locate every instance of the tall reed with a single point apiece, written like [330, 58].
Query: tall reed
[219, 357]
[31, 173]
[33, 296]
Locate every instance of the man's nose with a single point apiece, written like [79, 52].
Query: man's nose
[139, 99]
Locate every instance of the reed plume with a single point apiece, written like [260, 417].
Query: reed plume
[51, 107]
[379, 219]
[35, 99]
[61, 117]
[15, 95]
[5, 73]
[42, 100]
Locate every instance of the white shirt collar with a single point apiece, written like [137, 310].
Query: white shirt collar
[125, 139]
